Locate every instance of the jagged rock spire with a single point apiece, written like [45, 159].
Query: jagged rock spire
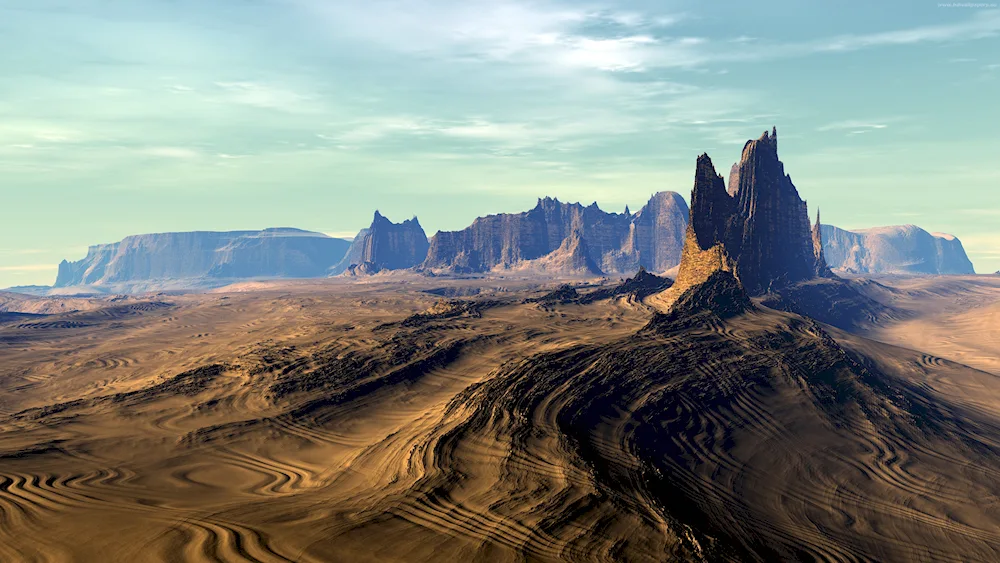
[822, 269]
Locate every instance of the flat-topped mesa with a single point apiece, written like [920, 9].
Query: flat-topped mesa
[758, 228]
[393, 246]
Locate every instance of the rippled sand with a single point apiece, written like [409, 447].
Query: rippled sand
[324, 421]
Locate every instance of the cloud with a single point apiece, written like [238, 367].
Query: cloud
[29, 268]
[564, 35]
[504, 30]
[375, 128]
[170, 152]
[263, 95]
[856, 126]
[22, 251]
[341, 234]
[982, 25]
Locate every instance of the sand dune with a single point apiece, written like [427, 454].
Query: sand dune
[334, 421]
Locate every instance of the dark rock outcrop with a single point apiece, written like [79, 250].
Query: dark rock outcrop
[615, 242]
[760, 232]
[391, 246]
[904, 249]
[720, 295]
[638, 287]
[565, 293]
[202, 258]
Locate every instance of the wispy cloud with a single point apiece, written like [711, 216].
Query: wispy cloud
[565, 36]
[264, 95]
[858, 126]
[29, 268]
[982, 25]
[170, 152]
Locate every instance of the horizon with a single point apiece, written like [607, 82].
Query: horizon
[172, 117]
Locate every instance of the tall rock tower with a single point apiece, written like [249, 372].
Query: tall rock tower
[758, 229]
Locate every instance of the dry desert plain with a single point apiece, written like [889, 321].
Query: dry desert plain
[433, 420]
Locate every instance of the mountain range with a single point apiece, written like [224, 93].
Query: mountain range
[553, 238]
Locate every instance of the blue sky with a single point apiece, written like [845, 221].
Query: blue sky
[120, 117]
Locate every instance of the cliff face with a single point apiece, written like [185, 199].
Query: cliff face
[572, 257]
[392, 246]
[288, 253]
[904, 249]
[614, 242]
[758, 229]
[657, 233]
[353, 256]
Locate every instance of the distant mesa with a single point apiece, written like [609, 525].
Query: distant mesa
[758, 229]
[554, 237]
[36, 290]
[904, 249]
[202, 259]
[388, 246]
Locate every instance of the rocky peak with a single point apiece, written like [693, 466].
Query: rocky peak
[711, 205]
[392, 246]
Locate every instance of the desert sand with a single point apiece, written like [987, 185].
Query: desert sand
[451, 420]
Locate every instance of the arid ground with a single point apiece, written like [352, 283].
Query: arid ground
[465, 420]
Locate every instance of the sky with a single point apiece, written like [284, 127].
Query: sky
[122, 117]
